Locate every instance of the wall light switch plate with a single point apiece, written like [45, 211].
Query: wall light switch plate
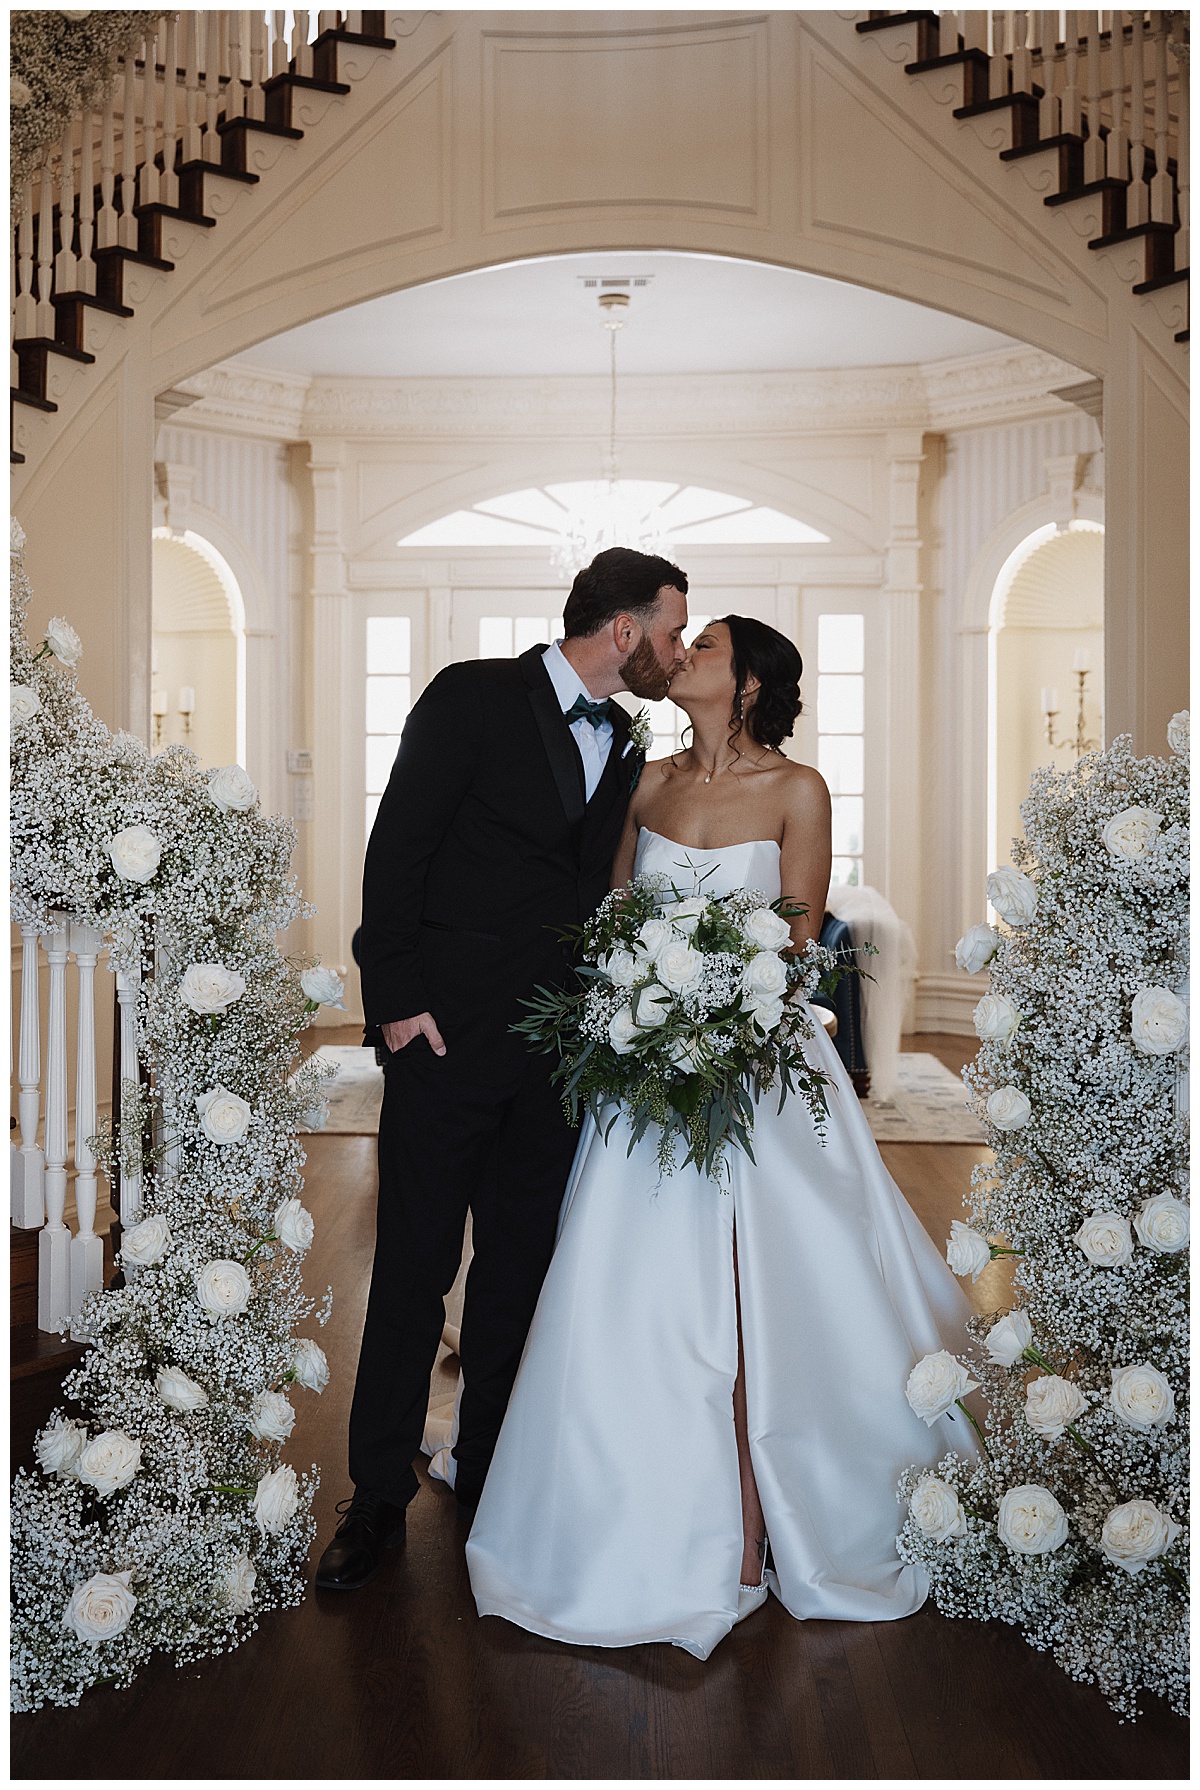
[299, 761]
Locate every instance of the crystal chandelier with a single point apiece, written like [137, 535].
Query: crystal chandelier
[614, 518]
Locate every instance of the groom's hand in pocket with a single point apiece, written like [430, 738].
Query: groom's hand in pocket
[398, 1033]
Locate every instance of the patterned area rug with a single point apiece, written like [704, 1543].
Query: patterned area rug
[929, 1108]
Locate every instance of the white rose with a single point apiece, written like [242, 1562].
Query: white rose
[996, 1019]
[685, 1057]
[1105, 1239]
[294, 1226]
[323, 985]
[1163, 1224]
[1051, 1403]
[1141, 1397]
[1136, 1533]
[63, 641]
[223, 1289]
[1159, 1021]
[1031, 1520]
[623, 1033]
[145, 1243]
[935, 1383]
[310, 1365]
[276, 1500]
[936, 1510]
[679, 968]
[767, 1016]
[621, 967]
[59, 1446]
[23, 704]
[16, 534]
[1132, 833]
[654, 934]
[237, 1585]
[1008, 1339]
[271, 1417]
[135, 854]
[224, 1117]
[1012, 895]
[966, 1251]
[109, 1461]
[976, 948]
[100, 1607]
[231, 789]
[765, 977]
[685, 916]
[210, 988]
[651, 1005]
[765, 929]
[1179, 729]
[1008, 1109]
[19, 92]
[179, 1390]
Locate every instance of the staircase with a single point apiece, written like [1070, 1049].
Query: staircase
[38, 1359]
[1100, 119]
[178, 126]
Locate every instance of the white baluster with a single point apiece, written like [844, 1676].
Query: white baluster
[1093, 149]
[25, 322]
[107, 223]
[1116, 160]
[149, 191]
[29, 1199]
[1137, 199]
[1184, 174]
[279, 44]
[256, 106]
[1072, 98]
[1022, 56]
[87, 1249]
[301, 48]
[191, 82]
[85, 272]
[998, 67]
[223, 27]
[64, 262]
[1049, 106]
[127, 227]
[45, 310]
[170, 180]
[235, 93]
[326, 21]
[212, 87]
[129, 984]
[54, 1243]
[1162, 190]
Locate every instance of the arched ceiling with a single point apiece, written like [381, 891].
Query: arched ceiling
[1060, 584]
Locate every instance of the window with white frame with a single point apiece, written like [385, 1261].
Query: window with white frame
[388, 699]
[840, 715]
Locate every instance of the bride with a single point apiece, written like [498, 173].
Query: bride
[711, 1400]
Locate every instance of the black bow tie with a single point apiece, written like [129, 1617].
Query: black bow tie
[582, 709]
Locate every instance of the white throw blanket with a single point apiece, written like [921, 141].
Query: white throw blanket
[873, 920]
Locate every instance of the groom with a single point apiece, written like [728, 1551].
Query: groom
[497, 831]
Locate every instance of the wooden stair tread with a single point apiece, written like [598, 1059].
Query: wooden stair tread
[306, 84]
[1180, 276]
[117, 252]
[226, 127]
[897, 18]
[19, 395]
[998, 104]
[50, 346]
[156, 208]
[952, 59]
[33, 1351]
[1061, 140]
[92, 302]
[202, 167]
[1108, 184]
[1131, 232]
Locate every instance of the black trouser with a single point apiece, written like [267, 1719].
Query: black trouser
[445, 1144]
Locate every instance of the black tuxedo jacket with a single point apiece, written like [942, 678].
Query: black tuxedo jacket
[483, 848]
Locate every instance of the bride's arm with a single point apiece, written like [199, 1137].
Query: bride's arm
[806, 850]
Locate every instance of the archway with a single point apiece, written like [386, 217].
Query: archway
[199, 649]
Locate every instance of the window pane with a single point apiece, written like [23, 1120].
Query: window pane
[372, 811]
[840, 762]
[381, 753]
[847, 871]
[530, 630]
[847, 824]
[388, 644]
[840, 643]
[495, 637]
[387, 703]
[839, 704]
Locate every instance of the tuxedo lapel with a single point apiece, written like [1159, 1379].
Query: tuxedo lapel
[618, 776]
[561, 750]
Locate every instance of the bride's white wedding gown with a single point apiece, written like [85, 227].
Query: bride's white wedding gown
[611, 1514]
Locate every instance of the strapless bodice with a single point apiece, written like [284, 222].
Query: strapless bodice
[715, 871]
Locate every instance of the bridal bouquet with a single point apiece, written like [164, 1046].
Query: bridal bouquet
[685, 1016]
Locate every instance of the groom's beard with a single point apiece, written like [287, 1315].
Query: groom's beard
[642, 674]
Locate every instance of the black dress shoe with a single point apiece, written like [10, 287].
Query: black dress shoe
[466, 1498]
[370, 1524]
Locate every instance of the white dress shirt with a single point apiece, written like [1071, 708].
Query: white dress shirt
[594, 742]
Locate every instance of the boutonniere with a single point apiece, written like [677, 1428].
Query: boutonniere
[641, 734]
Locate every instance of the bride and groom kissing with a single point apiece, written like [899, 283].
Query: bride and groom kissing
[675, 1396]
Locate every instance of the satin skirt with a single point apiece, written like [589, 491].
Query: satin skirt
[611, 1514]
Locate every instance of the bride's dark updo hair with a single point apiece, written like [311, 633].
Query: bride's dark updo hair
[763, 652]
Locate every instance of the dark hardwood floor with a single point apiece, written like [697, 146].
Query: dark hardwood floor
[403, 1680]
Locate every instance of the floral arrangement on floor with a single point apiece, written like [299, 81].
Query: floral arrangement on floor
[59, 63]
[1073, 1524]
[684, 1017]
[161, 1515]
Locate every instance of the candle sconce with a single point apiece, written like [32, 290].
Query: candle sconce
[1081, 743]
[158, 706]
[187, 708]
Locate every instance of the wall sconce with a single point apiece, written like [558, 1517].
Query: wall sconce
[1080, 744]
[187, 708]
[158, 708]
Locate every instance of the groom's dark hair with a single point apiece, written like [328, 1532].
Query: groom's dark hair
[619, 581]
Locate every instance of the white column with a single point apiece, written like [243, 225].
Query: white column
[54, 1243]
[902, 599]
[333, 873]
[28, 1197]
[87, 1249]
[129, 983]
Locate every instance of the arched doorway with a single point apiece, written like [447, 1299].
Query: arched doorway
[1045, 659]
[199, 650]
